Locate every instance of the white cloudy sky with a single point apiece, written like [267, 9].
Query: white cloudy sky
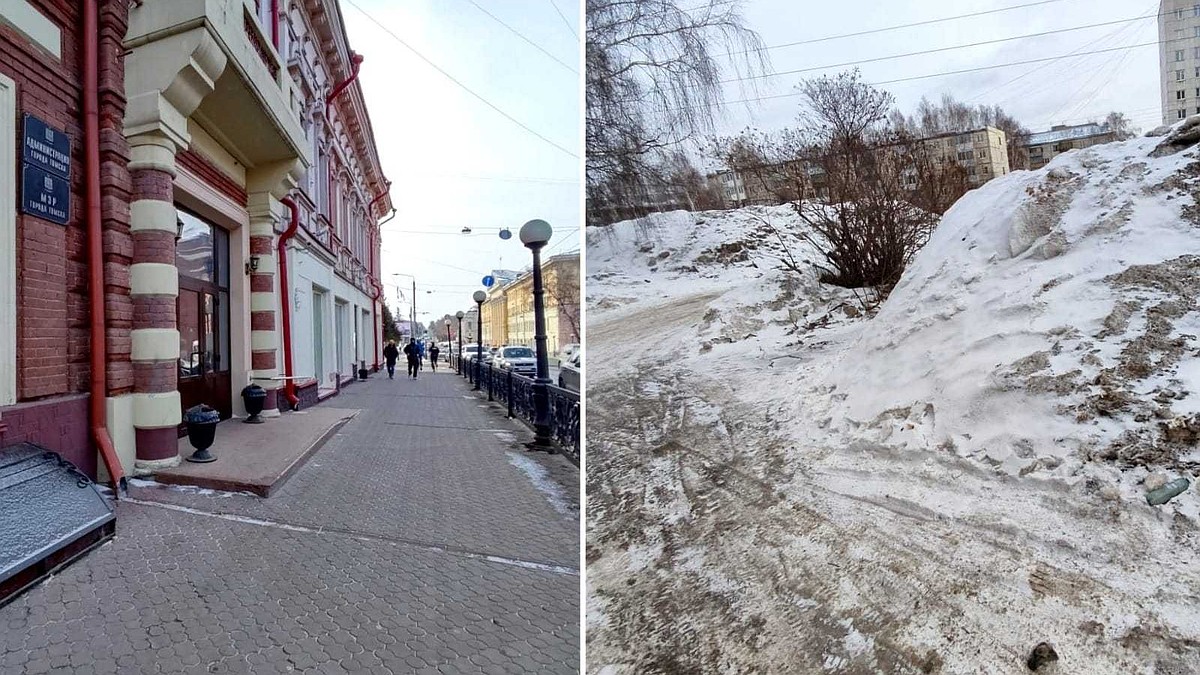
[1040, 95]
[454, 161]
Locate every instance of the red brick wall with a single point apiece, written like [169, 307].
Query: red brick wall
[59, 424]
[53, 320]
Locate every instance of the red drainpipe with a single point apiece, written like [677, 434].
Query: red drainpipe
[289, 387]
[355, 61]
[95, 237]
[275, 23]
[387, 186]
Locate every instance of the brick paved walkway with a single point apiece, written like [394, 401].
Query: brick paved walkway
[421, 539]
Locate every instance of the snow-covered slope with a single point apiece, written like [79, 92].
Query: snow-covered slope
[1051, 320]
[793, 474]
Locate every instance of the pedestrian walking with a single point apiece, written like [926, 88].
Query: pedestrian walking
[414, 355]
[390, 354]
[433, 356]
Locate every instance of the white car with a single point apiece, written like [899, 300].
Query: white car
[568, 373]
[520, 360]
[568, 352]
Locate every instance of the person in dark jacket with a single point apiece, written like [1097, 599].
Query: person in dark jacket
[390, 354]
[414, 357]
[433, 356]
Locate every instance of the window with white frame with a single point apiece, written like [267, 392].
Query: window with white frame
[1196, 52]
[1178, 55]
[1179, 75]
[1180, 95]
[1181, 114]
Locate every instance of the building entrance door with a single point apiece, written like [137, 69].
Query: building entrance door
[202, 256]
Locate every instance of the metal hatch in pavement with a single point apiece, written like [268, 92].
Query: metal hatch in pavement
[50, 515]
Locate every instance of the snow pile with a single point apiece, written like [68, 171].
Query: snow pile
[732, 264]
[1051, 320]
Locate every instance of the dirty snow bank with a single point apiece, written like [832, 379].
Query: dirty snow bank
[1050, 321]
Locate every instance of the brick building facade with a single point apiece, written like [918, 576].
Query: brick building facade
[44, 385]
[229, 134]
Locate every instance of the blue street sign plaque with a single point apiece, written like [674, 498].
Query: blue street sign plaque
[45, 147]
[488, 281]
[45, 195]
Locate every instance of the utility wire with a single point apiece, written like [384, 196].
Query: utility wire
[1031, 71]
[938, 50]
[564, 18]
[521, 35]
[456, 81]
[954, 72]
[886, 29]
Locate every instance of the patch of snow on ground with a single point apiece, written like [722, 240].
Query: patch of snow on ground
[540, 477]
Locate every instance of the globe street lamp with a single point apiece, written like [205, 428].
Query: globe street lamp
[459, 316]
[479, 297]
[535, 235]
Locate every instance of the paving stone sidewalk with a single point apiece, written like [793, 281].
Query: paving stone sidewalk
[422, 538]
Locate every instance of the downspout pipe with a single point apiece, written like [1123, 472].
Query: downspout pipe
[285, 304]
[387, 187]
[95, 238]
[377, 337]
[355, 63]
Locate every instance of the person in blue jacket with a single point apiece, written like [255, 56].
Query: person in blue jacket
[420, 354]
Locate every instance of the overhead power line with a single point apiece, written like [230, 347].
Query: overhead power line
[1102, 38]
[886, 29]
[957, 72]
[458, 82]
[521, 35]
[564, 18]
[939, 49]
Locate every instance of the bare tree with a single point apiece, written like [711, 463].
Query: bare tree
[564, 293]
[1120, 125]
[654, 81]
[866, 228]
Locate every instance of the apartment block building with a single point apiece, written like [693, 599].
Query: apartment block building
[1046, 145]
[1179, 58]
[982, 152]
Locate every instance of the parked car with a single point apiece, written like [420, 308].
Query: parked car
[568, 352]
[568, 373]
[470, 352]
[520, 360]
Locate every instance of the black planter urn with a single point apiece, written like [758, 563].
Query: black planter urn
[362, 374]
[202, 431]
[254, 396]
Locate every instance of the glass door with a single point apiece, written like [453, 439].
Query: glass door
[202, 256]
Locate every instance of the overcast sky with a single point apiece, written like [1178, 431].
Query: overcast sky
[1066, 91]
[454, 161]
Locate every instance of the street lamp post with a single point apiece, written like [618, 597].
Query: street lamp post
[459, 316]
[479, 297]
[535, 235]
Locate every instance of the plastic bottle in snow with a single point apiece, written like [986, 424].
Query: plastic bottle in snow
[1167, 492]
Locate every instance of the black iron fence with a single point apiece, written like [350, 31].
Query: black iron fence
[517, 393]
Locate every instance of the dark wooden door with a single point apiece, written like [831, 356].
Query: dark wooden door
[203, 315]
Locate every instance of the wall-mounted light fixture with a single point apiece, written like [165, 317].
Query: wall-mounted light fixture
[252, 265]
[178, 229]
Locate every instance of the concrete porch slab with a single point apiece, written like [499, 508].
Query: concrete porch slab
[258, 458]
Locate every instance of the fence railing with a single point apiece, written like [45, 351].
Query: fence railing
[516, 392]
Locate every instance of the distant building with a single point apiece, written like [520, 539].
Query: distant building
[733, 188]
[1179, 59]
[1045, 146]
[495, 315]
[982, 152]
